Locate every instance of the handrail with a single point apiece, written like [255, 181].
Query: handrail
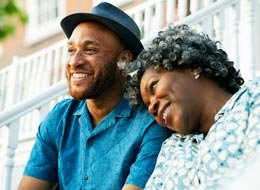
[203, 13]
[49, 62]
[198, 16]
[26, 106]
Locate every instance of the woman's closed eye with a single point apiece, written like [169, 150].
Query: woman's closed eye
[153, 85]
[150, 89]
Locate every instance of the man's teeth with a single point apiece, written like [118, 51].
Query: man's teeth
[79, 75]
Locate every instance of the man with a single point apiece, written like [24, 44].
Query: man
[96, 141]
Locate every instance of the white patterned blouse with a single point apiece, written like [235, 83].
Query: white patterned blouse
[192, 162]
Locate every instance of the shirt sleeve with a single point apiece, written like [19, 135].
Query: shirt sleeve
[149, 149]
[155, 181]
[252, 142]
[42, 163]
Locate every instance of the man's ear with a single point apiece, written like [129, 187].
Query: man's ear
[125, 56]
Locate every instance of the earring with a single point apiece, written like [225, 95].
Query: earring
[121, 64]
[196, 75]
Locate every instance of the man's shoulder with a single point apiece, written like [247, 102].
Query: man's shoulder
[143, 112]
[64, 110]
[68, 105]
[69, 101]
[144, 119]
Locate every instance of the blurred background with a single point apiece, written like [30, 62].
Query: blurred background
[33, 54]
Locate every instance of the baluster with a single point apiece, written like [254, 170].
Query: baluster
[47, 71]
[139, 21]
[159, 15]
[3, 86]
[171, 11]
[206, 3]
[11, 95]
[248, 68]
[35, 73]
[207, 25]
[182, 8]
[194, 6]
[21, 91]
[31, 66]
[147, 20]
[58, 53]
[10, 152]
[63, 57]
[219, 25]
[41, 69]
[56, 66]
[235, 14]
[252, 37]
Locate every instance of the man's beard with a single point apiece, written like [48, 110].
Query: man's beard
[98, 86]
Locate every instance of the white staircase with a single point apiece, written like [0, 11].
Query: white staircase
[31, 85]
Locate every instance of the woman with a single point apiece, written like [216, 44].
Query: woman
[190, 87]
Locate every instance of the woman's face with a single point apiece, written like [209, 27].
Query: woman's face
[172, 98]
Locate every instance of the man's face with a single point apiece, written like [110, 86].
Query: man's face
[91, 67]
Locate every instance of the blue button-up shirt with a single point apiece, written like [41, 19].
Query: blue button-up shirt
[121, 149]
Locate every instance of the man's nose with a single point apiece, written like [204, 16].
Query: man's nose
[76, 59]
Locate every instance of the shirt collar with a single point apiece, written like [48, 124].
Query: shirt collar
[123, 109]
[229, 104]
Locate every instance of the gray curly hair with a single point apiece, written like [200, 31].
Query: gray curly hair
[180, 47]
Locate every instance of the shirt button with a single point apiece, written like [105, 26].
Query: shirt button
[86, 177]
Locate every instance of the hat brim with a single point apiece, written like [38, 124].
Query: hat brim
[70, 22]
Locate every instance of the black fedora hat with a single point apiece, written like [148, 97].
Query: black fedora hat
[111, 17]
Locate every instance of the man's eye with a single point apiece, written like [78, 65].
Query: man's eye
[89, 50]
[70, 50]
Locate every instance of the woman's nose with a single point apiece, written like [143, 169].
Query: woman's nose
[153, 107]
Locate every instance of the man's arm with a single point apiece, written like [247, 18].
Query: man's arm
[131, 187]
[150, 146]
[31, 183]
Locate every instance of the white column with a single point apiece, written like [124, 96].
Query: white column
[182, 8]
[236, 45]
[159, 12]
[248, 37]
[10, 152]
[170, 11]
[219, 25]
[12, 81]
[194, 6]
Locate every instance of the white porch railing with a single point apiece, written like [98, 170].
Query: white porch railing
[28, 76]
[38, 107]
[222, 20]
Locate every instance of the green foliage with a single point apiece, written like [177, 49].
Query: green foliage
[9, 13]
